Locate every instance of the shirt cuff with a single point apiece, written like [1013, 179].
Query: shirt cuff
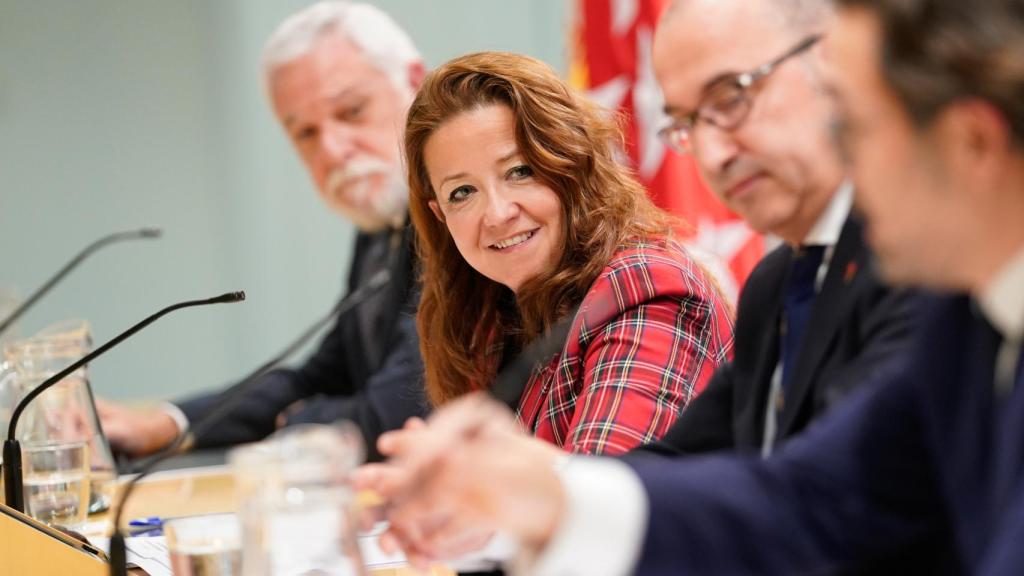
[180, 420]
[604, 524]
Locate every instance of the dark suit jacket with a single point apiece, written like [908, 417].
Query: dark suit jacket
[857, 325]
[926, 448]
[367, 369]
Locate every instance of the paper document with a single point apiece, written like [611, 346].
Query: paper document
[147, 552]
[150, 552]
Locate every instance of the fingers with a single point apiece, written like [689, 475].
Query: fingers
[367, 518]
[387, 480]
[413, 532]
[391, 542]
[414, 423]
[396, 442]
[438, 531]
[454, 478]
[455, 539]
[403, 539]
[365, 477]
[413, 438]
[468, 415]
[419, 443]
[370, 511]
[415, 455]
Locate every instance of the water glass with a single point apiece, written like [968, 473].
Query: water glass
[208, 545]
[56, 479]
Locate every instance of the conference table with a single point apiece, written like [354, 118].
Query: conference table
[204, 490]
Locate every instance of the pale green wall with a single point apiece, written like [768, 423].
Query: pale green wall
[117, 113]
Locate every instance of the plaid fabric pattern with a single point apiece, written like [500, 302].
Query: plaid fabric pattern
[649, 334]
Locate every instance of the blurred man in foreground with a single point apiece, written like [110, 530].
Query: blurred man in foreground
[340, 77]
[933, 131]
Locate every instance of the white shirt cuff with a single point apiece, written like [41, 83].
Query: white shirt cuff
[604, 524]
[180, 420]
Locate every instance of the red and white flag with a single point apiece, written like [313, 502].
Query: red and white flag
[612, 60]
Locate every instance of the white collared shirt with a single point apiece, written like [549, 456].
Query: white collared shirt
[1002, 300]
[829, 226]
[1002, 303]
[825, 232]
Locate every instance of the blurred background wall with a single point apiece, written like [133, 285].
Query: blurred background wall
[116, 115]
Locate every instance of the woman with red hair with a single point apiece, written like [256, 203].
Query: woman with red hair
[524, 216]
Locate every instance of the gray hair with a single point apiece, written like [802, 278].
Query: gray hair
[385, 44]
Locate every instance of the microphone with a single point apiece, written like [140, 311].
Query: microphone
[188, 437]
[109, 239]
[14, 491]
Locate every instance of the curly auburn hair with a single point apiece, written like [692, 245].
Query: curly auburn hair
[571, 145]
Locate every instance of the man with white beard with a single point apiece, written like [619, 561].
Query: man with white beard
[340, 77]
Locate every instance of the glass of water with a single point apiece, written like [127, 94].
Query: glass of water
[56, 477]
[208, 545]
[296, 504]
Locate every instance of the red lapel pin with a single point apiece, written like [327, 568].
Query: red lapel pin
[851, 271]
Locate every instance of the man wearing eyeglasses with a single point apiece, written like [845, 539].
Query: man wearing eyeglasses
[743, 89]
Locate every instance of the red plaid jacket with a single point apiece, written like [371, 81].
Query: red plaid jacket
[649, 333]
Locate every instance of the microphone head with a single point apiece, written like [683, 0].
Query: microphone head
[151, 232]
[228, 298]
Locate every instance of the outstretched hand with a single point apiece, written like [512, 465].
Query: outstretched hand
[450, 482]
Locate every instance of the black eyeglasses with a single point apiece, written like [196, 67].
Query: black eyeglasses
[727, 102]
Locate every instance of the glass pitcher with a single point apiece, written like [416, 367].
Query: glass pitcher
[66, 412]
[296, 504]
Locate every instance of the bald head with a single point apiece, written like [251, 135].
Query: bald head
[776, 167]
[797, 14]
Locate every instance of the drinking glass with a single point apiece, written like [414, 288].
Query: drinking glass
[208, 545]
[56, 477]
[296, 503]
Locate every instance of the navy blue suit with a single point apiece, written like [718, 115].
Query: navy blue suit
[926, 448]
[367, 369]
[857, 325]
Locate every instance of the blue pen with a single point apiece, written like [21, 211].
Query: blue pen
[152, 526]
